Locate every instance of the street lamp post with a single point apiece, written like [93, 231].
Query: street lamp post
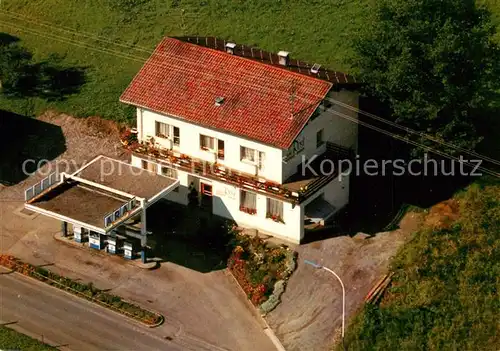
[315, 265]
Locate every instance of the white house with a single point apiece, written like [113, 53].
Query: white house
[237, 125]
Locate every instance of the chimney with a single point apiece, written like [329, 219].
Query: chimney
[219, 100]
[283, 58]
[230, 48]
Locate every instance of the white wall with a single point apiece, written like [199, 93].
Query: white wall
[342, 131]
[336, 129]
[190, 145]
[226, 203]
[337, 192]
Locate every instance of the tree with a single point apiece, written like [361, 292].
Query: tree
[13, 61]
[434, 62]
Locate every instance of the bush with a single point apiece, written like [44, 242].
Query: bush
[445, 290]
[258, 267]
[274, 299]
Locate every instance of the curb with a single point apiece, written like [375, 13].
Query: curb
[267, 329]
[148, 266]
[162, 318]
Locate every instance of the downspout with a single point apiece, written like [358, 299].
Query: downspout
[139, 124]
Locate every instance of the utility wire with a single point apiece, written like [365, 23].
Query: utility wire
[352, 108]
[393, 135]
[412, 131]
[73, 31]
[399, 137]
[237, 80]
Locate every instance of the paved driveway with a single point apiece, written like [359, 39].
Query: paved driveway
[41, 311]
[207, 309]
[202, 309]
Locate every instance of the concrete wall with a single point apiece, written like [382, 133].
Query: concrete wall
[336, 193]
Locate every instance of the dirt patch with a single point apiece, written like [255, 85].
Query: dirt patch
[100, 127]
[92, 126]
[443, 215]
[310, 315]
[27, 212]
[412, 221]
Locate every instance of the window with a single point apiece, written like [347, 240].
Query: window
[206, 142]
[206, 189]
[275, 210]
[162, 130]
[166, 131]
[150, 166]
[297, 146]
[247, 154]
[171, 173]
[319, 138]
[220, 149]
[177, 136]
[248, 202]
[261, 160]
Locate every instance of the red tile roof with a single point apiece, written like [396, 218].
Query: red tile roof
[183, 80]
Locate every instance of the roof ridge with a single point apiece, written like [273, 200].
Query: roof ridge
[273, 66]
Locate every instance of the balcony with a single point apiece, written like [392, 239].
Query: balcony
[306, 183]
[295, 190]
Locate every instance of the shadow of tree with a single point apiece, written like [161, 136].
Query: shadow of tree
[49, 79]
[28, 143]
[7, 39]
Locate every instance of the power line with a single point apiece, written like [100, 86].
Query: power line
[396, 136]
[79, 32]
[412, 131]
[161, 54]
[352, 108]
[236, 81]
[163, 65]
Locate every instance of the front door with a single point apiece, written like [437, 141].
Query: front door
[206, 196]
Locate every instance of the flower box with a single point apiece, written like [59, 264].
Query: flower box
[275, 218]
[250, 211]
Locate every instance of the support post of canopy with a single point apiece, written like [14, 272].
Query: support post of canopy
[144, 238]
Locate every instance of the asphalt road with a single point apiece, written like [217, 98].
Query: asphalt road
[72, 323]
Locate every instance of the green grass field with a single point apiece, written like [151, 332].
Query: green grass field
[316, 31]
[313, 30]
[12, 340]
[445, 288]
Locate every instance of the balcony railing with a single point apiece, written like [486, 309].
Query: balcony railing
[219, 172]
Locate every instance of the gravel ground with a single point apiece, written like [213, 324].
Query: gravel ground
[203, 310]
[309, 317]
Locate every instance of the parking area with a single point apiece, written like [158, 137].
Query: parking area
[203, 309]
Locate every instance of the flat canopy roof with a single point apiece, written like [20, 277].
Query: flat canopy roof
[124, 177]
[104, 187]
[80, 202]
